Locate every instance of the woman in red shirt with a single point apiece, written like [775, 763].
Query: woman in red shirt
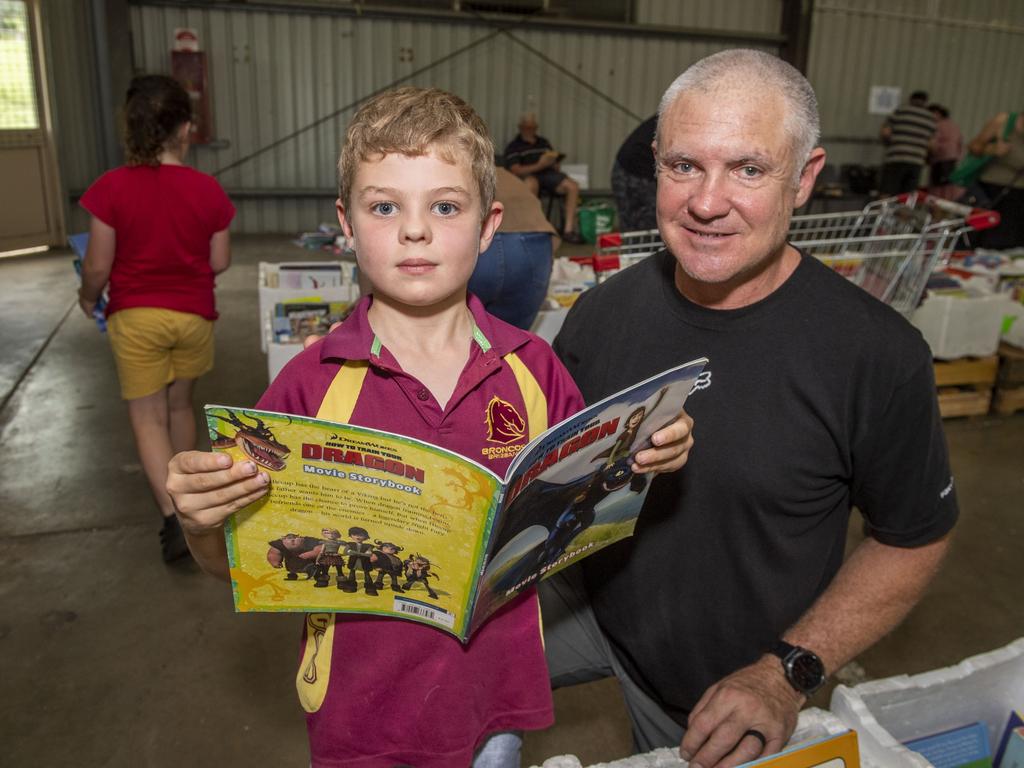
[158, 235]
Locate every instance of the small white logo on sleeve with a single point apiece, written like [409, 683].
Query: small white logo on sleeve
[947, 490]
[703, 381]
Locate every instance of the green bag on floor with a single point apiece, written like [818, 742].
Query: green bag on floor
[595, 219]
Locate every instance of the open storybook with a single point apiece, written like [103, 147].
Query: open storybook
[365, 521]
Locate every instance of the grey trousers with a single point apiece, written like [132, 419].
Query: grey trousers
[578, 652]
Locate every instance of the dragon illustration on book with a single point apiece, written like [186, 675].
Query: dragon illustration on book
[255, 440]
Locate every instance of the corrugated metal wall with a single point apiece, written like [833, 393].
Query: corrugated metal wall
[967, 55]
[275, 73]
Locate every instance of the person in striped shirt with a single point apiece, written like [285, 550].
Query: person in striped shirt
[907, 134]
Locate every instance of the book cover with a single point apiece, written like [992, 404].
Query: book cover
[839, 751]
[1015, 721]
[79, 244]
[366, 521]
[962, 747]
[308, 276]
[293, 321]
[1012, 755]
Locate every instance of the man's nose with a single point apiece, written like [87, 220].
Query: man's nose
[709, 198]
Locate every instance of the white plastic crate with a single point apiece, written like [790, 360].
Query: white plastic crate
[885, 713]
[271, 292]
[959, 326]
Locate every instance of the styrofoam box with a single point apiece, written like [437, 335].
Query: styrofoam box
[983, 688]
[349, 291]
[813, 724]
[278, 356]
[957, 326]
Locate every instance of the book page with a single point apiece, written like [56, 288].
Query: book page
[356, 520]
[572, 491]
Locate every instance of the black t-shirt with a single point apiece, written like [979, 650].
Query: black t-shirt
[635, 156]
[816, 398]
[521, 152]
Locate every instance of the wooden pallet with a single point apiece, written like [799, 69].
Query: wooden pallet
[965, 385]
[1007, 401]
[1009, 396]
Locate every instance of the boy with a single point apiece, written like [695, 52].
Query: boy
[422, 358]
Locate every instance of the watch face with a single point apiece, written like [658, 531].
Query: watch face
[808, 673]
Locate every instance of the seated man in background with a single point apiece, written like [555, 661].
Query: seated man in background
[511, 276]
[532, 158]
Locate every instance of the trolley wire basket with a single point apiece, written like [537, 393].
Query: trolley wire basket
[889, 248]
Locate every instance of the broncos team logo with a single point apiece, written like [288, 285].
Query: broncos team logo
[504, 424]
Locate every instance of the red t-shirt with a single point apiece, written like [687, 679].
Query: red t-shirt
[399, 692]
[163, 217]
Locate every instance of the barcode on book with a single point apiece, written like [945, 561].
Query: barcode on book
[438, 615]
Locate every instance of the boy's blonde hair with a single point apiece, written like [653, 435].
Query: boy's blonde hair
[413, 121]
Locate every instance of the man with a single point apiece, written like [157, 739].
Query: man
[732, 603]
[907, 134]
[532, 158]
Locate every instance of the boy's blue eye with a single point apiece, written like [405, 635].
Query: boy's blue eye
[384, 209]
[445, 208]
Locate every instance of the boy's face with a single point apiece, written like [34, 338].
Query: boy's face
[416, 227]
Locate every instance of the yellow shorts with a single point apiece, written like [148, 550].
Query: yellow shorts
[153, 347]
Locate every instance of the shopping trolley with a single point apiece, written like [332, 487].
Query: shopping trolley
[889, 248]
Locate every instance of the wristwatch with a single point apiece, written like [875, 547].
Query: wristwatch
[803, 668]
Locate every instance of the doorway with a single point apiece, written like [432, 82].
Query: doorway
[31, 215]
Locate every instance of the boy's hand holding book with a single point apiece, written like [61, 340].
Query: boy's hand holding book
[206, 489]
[671, 447]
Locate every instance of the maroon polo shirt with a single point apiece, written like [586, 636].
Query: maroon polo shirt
[402, 692]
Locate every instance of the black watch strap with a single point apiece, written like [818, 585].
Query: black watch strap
[782, 649]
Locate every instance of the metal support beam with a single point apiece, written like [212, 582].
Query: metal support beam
[547, 23]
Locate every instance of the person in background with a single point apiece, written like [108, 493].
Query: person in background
[732, 602]
[947, 147]
[511, 276]
[634, 181]
[1002, 179]
[158, 234]
[532, 158]
[907, 135]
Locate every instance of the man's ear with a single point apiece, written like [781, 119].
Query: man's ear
[808, 175]
[490, 225]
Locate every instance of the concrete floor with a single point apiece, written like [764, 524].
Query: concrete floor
[111, 658]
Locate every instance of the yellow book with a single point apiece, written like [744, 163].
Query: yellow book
[840, 751]
[365, 521]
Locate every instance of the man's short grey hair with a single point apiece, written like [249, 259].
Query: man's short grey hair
[748, 66]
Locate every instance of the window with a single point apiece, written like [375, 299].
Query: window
[17, 89]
